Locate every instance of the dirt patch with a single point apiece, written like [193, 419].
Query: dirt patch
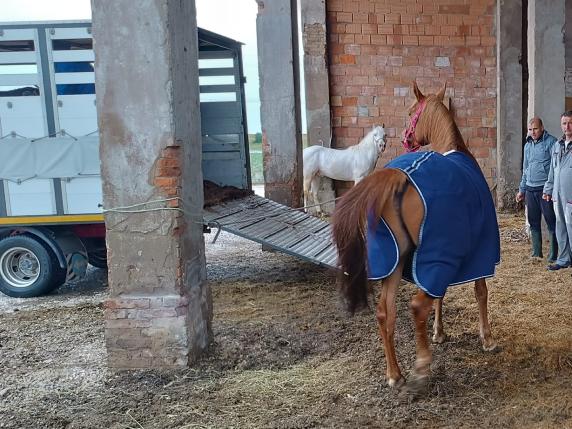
[285, 355]
[215, 194]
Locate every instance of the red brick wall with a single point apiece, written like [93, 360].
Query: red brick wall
[377, 47]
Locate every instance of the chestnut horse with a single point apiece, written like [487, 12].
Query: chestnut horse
[390, 205]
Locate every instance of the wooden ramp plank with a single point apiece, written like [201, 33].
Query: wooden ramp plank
[280, 227]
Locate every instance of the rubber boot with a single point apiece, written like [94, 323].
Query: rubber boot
[553, 251]
[536, 238]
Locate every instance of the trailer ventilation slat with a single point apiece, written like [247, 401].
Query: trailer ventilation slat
[276, 226]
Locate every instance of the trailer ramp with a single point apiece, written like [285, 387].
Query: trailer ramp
[276, 226]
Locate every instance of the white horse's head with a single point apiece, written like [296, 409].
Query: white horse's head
[379, 138]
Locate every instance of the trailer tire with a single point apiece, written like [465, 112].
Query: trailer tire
[97, 259]
[96, 251]
[28, 268]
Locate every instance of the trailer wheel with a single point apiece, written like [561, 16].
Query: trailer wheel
[98, 259]
[96, 251]
[27, 268]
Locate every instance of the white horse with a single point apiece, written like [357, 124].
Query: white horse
[350, 164]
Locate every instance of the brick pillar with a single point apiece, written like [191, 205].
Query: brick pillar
[159, 311]
[280, 100]
[317, 85]
[509, 101]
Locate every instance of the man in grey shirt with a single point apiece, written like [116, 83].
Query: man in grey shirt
[535, 171]
[558, 188]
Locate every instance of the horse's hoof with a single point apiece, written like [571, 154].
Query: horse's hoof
[490, 346]
[417, 386]
[439, 338]
[396, 384]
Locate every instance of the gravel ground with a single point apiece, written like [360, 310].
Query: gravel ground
[285, 355]
[89, 290]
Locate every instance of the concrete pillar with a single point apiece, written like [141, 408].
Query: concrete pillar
[276, 27]
[568, 60]
[509, 101]
[159, 311]
[546, 62]
[317, 85]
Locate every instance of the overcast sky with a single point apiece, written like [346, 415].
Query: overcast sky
[232, 18]
[237, 19]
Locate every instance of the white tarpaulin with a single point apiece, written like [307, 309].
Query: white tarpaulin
[49, 158]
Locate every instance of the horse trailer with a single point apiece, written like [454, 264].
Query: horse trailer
[51, 219]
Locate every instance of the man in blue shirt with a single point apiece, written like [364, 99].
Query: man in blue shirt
[558, 189]
[535, 170]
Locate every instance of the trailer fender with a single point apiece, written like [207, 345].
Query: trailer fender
[46, 235]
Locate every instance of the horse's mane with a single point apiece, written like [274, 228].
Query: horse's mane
[438, 125]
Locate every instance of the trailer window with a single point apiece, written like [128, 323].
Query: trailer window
[72, 44]
[73, 67]
[19, 91]
[75, 88]
[216, 79]
[16, 45]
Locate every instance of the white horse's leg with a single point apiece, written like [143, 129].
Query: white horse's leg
[314, 189]
[307, 183]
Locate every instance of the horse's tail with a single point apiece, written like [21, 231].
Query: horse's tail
[349, 229]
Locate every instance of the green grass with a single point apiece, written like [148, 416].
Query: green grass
[256, 158]
[256, 167]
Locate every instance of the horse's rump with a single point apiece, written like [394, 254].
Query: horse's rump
[459, 239]
[349, 228]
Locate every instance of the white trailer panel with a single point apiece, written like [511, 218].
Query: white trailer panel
[70, 32]
[72, 78]
[77, 114]
[73, 56]
[19, 79]
[39, 103]
[23, 115]
[18, 34]
[82, 195]
[30, 198]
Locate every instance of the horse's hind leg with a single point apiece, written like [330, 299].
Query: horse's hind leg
[386, 316]
[420, 310]
[314, 190]
[307, 182]
[438, 333]
[481, 293]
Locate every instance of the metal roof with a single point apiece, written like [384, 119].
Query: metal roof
[278, 226]
[208, 39]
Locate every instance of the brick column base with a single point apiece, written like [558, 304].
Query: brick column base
[147, 331]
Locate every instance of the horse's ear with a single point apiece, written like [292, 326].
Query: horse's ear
[441, 94]
[417, 92]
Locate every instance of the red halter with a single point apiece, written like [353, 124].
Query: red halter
[409, 142]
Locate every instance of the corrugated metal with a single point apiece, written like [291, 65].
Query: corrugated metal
[277, 226]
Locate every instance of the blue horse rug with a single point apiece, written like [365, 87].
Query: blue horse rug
[459, 237]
